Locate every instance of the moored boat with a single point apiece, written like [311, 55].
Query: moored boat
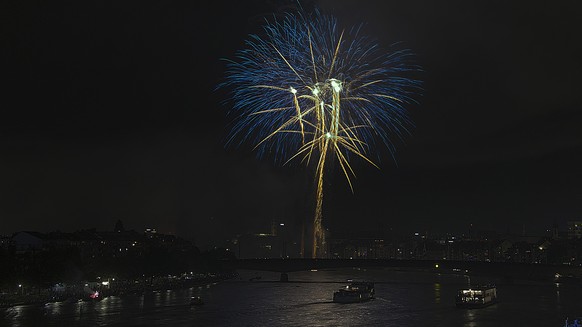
[477, 297]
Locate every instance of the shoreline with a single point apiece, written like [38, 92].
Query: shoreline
[78, 292]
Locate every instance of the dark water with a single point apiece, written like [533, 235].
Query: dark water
[402, 299]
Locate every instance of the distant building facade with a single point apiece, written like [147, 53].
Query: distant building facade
[574, 229]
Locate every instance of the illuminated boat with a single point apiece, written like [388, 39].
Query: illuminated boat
[91, 295]
[354, 292]
[478, 297]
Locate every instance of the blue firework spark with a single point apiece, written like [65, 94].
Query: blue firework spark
[306, 81]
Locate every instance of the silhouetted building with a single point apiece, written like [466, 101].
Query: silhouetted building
[150, 232]
[574, 229]
[262, 245]
[119, 226]
[28, 241]
[5, 241]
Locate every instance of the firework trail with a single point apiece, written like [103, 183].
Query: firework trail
[308, 91]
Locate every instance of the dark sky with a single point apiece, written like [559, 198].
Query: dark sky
[108, 111]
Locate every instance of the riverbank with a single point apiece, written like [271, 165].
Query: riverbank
[96, 291]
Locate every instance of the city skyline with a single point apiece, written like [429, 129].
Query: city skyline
[112, 113]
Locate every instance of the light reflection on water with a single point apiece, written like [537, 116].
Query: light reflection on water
[402, 299]
[558, 294]
[470, 318]
[53, 309]
[437, 293]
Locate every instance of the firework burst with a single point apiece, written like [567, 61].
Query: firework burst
[308, 91]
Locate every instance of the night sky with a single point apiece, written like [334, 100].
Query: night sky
[109, 111]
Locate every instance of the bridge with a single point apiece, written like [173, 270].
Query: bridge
[507, 270]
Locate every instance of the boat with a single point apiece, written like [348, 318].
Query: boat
[91, 295]
[477, 297]
[354, 292]
[196, 300]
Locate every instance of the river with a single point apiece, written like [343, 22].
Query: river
[403, 298]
